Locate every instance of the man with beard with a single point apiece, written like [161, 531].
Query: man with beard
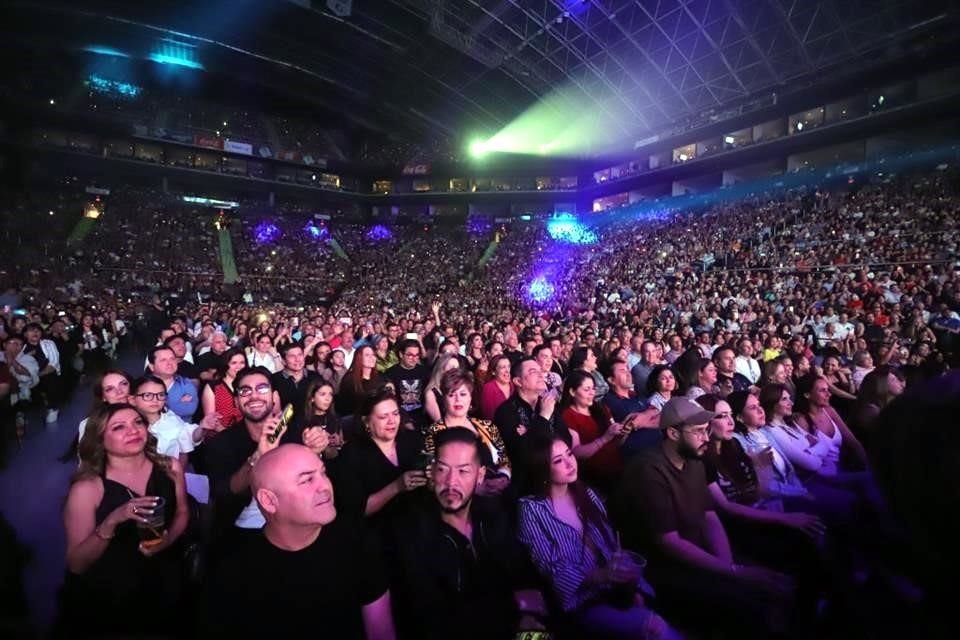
[667, 512]
[316, 571]
[230, 456]
[458, 559]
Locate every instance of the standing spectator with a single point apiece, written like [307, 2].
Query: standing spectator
[409, 378]
[292, 381]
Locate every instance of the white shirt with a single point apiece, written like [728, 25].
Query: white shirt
[174, 436]
[748, 368]
[257, 359]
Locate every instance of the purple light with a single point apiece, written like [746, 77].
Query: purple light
[479, 226]
[266, 232]
[315, 232]
[540, 290]
[379, 233]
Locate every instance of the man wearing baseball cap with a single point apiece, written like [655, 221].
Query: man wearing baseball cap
[671, 519]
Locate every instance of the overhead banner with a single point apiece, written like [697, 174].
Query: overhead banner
[416, 170]
[207, 141]
[238, 147]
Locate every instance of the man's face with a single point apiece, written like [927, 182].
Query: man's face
[725, 362]
[13, 346]
[393, 332]
[346, 340]
[255, 397]
[692, 440]
[293, 359]
[456, 474]
[649, 352]
[531, 378]
[179, 348]
[545, 359]
[621, 376]
[411, 356]
[218, 343]
[164, 363]
[746, 349]
[33, 336]
[300, 493]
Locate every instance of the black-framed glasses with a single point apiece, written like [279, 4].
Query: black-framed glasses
[152, 395]
[261, 389]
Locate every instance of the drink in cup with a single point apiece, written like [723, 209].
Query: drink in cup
[627, 569]
[151, 531]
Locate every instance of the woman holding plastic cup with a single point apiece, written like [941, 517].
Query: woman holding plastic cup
[565, 529]
[126, 508]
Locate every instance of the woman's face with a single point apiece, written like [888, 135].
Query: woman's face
[322, 352]
[153, 404]
[591, 362]
[263, 344]
[496, 349]
[384, 420]
[369, 358]
[753, 415]
[666, 382]
[451, 364]
[784, 406]
[708, 376]
[458, 402]
[125, 433]
[563, 464]
[338, 358]
[237, 362]
[583, 395]
[382, 345]
[476, 343]
[788, 368]
[503, 371]
[721, 427]
[779, 374]
[895, 385]
[830, 365]
[114, 389]
[819, 395]
[322, 398]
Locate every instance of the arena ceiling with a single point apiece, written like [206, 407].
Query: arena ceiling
[451, 67]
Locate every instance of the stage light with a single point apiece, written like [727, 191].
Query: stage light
[379, 233]
[540, 290]
[729, 139]
[315, 232]
[478, 148]
[105, 51]
[564, 227]
[266, 232]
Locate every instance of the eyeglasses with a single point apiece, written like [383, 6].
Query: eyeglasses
[152, 395]
[261, 389]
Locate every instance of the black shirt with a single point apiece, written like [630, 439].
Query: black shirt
[409, 385]
[260, 590]
[210, 361]
[188, 370]
[519, 425]
[291, 391]
[446, 581]
[223, 457]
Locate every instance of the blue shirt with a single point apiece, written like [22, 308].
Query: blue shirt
[182, 398]
[639, 439]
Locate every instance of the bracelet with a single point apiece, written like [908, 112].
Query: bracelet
[100, 535]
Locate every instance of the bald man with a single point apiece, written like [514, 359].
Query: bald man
[306, 569]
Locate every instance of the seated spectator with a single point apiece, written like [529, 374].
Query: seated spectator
[327, 567]
[726, 364]
[746, 365]
[292, 381]
[661, 384]
[120, 484]
[432, 395]
[565, 529]
[409, 378]
[386, 357]
[642, 420]
[528, 413]
[382, 465]
[705, 381]
[459, 565]
[209, 360]
[336, 369]
[185, 367]
[586, 359]
[777, 478]
[361, 380]
[648, 359]
[182, 397]
[49, 385]
[457, 389]
[672, 516]
[218, 396]
[497, 389]
[595, 437]
[113, 387]
[174, 437]
[879, 388]
[318, 411]
[862, 365]
[231, 455]
[264, 355]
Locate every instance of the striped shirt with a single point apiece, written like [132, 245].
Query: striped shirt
[559, 551]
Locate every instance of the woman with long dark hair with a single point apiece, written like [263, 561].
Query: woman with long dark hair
[218, 396]
[661, 385]
[878, 389]
[595, 437]
[586, 359]
[362, 379]
[114, 570]
[565, 529]
[318, 411]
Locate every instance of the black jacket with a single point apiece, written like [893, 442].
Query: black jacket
[445, 584]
